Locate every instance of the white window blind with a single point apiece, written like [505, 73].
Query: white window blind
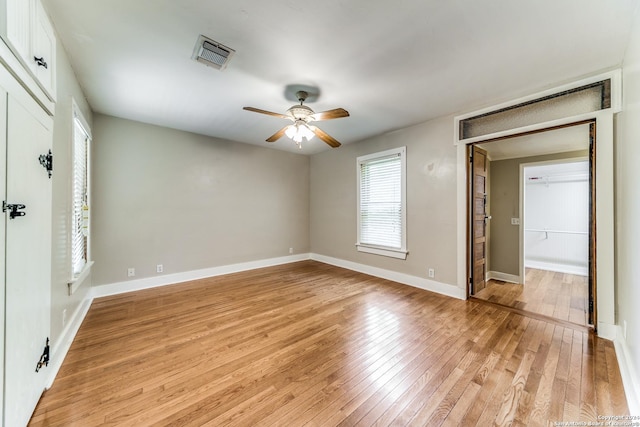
[80, 226]
[381, 203]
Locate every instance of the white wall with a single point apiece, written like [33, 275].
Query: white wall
[558, 202]
[67, 87]
[190, 202]
[628, 211]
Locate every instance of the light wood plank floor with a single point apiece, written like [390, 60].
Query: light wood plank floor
[558, 295]
[309, 344]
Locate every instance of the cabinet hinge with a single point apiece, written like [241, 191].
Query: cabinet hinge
[13, 209]
[44, 359]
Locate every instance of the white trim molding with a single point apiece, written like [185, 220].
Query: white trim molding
[629, 373]
[405, 279]
[505, 277]
[576, 270]
[615, 76]
[75, 283]
[61, 347]
[172, 279]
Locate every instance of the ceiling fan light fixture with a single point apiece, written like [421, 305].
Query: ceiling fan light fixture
[299, 131]
[301, 116]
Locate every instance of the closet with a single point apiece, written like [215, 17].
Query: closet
[27, 96]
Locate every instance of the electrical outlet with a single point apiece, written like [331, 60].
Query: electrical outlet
[64, 317]
[159, 268]
[290, 250]
[131, 272]
[515, 221]
[432, 273]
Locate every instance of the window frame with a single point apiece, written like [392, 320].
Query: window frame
[77, 276]
[389, 251]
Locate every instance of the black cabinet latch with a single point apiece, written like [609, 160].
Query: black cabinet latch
[46, 160]
[44, 359]
[40, 61]
[13, 209]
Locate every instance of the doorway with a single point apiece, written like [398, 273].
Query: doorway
[507, 278]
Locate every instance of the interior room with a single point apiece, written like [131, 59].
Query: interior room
[538, 201]
[273, 213]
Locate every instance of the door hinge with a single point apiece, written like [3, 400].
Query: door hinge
[44, 359]
[46, 160]
[590, 306]
[13, 209]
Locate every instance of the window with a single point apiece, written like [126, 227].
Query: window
[382, 197]
[80, 194]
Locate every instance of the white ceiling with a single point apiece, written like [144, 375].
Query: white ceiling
[391, 64]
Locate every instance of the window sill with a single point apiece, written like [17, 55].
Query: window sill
[392, 253]
[75, 283]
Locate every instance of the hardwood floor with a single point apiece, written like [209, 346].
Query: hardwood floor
[309, 344]
[558, 295]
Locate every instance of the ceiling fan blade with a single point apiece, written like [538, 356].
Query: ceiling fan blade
[325, 136]
[276, 136]
[269, 113]
[336, 113]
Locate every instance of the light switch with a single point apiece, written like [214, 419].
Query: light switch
[515, 221]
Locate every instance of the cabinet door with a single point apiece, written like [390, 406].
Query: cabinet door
[3, 187]
[28, 262]
[18, 27]
[44, 51]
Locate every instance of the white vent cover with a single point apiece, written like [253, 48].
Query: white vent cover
[212, 53]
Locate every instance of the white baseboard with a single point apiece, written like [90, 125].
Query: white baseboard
[560, 268]
[61, 347]
[406, 279]
[629, 373]
[505, 277]
[171, 279]
[607, 331]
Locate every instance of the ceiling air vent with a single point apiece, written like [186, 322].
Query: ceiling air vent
[212, 53]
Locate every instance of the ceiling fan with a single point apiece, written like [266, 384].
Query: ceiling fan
[301, 116]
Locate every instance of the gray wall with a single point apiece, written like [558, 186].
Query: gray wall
[431, 200]
[628, 203]
[163, 196]
[504, 192]
[67, 87]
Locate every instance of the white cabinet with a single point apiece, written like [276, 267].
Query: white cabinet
[17, 26]
[25, 264]
[44, 51]
[26, 29]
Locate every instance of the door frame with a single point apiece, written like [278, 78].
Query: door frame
[602, 267]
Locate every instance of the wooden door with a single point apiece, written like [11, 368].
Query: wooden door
[591, 302]
[479, 217]
[28, 260]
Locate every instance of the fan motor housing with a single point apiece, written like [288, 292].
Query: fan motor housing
[300, 112]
